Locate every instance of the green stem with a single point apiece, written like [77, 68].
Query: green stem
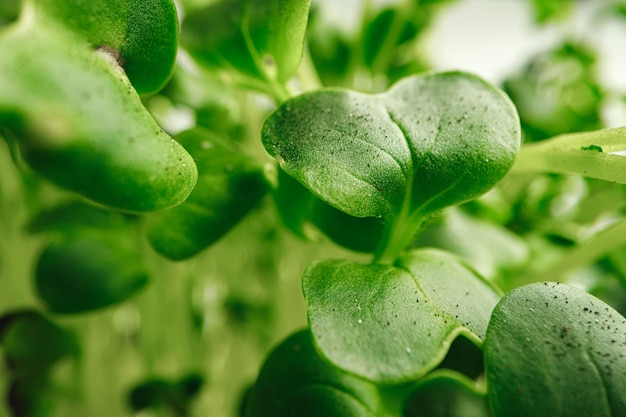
[589, 251]
[394, 398]
[590, 154]
[307, 73]
[388, 47]
[398, 235]
[277, 90]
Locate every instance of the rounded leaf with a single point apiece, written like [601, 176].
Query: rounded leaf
[553, 350]
[262, 39]
[31, 343]
[143, 34]
[80, 124]
[89, 271]
[430, 141]
[394, 324]
[295, 381]
[230, 184]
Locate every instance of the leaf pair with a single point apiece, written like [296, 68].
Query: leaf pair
[295, 381]
[551, 350]
[429, 142]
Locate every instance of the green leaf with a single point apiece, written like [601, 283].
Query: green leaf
[489, 247]
[301, 212]
[428, 142]
[89, 271]
[295, 381]
[31, 343]
[143, 34]
[31, 397]
[361, 234]
[551, 10]
[554, 350]
[79, 123]
[446, 394]
[158, 393]
[230, 184]
[330, 49]
[394, 324]
[465, 358]
[260, 39]
[9, 11]
[216, 104]
[558, 92]
[293, 203]
[74, 216]
[389, 28]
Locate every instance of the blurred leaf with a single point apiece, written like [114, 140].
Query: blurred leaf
[32, 343]
[260, 39]
[80, 124]
[388, 23]
[31, 397]
[143, 33]
[295, 381]
[9, 11]
[294, 204]
[301, 211]
[242, 311]
[158, 393]
[230, 184]
[394, 324]
[75, 216]
[486, 245]
[465, 358]
[446, 395]
[550, 10]
[155, 393]
[89, 271]
[554, 350]
[190, 385]
[558, 92]
[330, 50]
[215, 104]
[361, 234]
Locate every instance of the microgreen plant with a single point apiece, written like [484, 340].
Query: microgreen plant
[338, 229]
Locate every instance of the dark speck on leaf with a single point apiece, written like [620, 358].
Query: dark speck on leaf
[594, 148]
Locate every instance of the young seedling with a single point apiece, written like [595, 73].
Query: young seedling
[428, 214]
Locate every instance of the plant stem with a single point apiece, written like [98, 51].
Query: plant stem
[388, 47]
[398, 235]
[589, 251]
[594, 154]
[307, 73]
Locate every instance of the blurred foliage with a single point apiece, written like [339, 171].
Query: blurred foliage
[550, 10]
[192, 341]
[557, 92]
[162, 394]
